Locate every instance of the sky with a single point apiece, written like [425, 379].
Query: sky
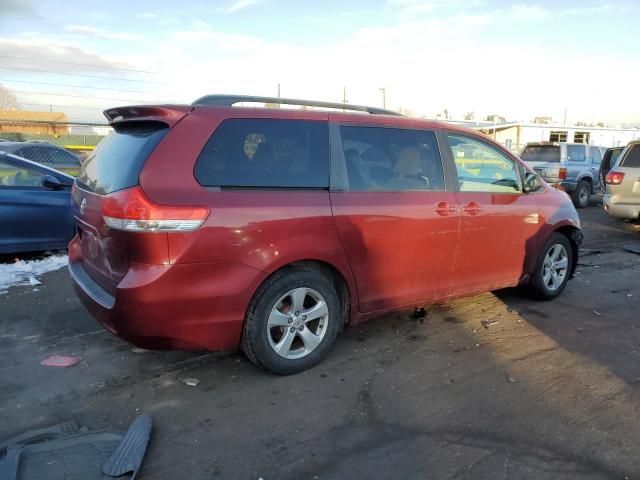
[519, 60]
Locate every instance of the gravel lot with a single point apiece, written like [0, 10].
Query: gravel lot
[549, 391]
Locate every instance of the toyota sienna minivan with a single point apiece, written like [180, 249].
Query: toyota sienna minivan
[211, 226]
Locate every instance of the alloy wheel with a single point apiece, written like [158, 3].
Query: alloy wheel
[297, 323]
[555, 267]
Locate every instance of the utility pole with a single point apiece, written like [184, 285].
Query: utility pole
[565, 117]
[278, 89]
[344, 95]
[384, 96]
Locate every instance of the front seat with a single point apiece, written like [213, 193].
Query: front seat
[352, 159]
[406, 171]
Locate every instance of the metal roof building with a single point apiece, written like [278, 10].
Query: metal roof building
[515, 135]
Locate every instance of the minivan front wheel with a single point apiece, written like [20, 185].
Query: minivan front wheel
[581, 196]
[553, 268]
[292, 321]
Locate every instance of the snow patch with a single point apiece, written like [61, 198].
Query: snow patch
[25, 272]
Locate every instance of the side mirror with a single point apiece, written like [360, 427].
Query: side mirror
[532, 183]
[49, 181]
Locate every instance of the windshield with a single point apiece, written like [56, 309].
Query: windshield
[116, 162]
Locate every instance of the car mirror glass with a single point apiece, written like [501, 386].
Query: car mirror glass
[531, 182]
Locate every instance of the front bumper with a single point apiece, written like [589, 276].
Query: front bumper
[173, 307]
[563, 186]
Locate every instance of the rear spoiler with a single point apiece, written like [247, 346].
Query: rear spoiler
[167, 114]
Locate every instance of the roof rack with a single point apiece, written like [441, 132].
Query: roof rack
[230, 100]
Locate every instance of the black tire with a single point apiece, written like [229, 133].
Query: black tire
[537, 287]
[255, 338]
[581, 196]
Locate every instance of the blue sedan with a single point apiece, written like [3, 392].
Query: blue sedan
[35, 206]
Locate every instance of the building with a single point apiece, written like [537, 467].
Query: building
[515, 135]
[33, 123]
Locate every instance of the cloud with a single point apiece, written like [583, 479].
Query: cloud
[60, 56]
[428, 62]
[410, 9]
[15, 7]
[148, 16]
[94, 32]
[162, 19]
[528, 12]
[241, 5]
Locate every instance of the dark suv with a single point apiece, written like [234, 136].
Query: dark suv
[212, 226]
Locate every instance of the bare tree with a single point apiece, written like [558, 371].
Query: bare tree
[7, 99]
[495, 118]
[470, 115]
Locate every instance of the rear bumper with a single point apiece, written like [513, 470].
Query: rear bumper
[564, 186]
[616, 209]
[173, 307]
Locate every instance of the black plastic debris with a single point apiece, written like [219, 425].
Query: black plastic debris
[420, 314]
[69, 452]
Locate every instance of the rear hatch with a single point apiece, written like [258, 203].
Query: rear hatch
[623, 181]
[114, 166]
[609, 160]
[545, 161]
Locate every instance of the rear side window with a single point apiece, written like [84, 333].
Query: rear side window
[549, 154]
[632, 158]
[266, 153]
[576, 153]
[596, 155]
[391, 159]
[49, 156]
[116, 162]
[61, 157]
[615, 155]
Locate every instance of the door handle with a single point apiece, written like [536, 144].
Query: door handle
[444, 209]
[472, 208]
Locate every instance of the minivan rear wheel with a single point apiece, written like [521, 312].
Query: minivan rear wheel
[553, 268]
[292, 321]
[581, 196]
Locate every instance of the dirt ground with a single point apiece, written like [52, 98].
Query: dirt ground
[549, 391]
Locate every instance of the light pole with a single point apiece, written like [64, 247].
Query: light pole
[384, 96]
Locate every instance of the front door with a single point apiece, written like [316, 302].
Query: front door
[498, 221]
[397, 221]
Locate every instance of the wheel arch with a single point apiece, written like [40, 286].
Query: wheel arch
[587, 177]
[345, 287]
[574, 235]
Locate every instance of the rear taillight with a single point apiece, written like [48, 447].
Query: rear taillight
[614, 178]
[132, 211]
[563, 173]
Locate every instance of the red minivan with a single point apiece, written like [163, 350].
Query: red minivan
[210, 226]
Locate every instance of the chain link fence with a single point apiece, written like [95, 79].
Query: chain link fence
[79, 137]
